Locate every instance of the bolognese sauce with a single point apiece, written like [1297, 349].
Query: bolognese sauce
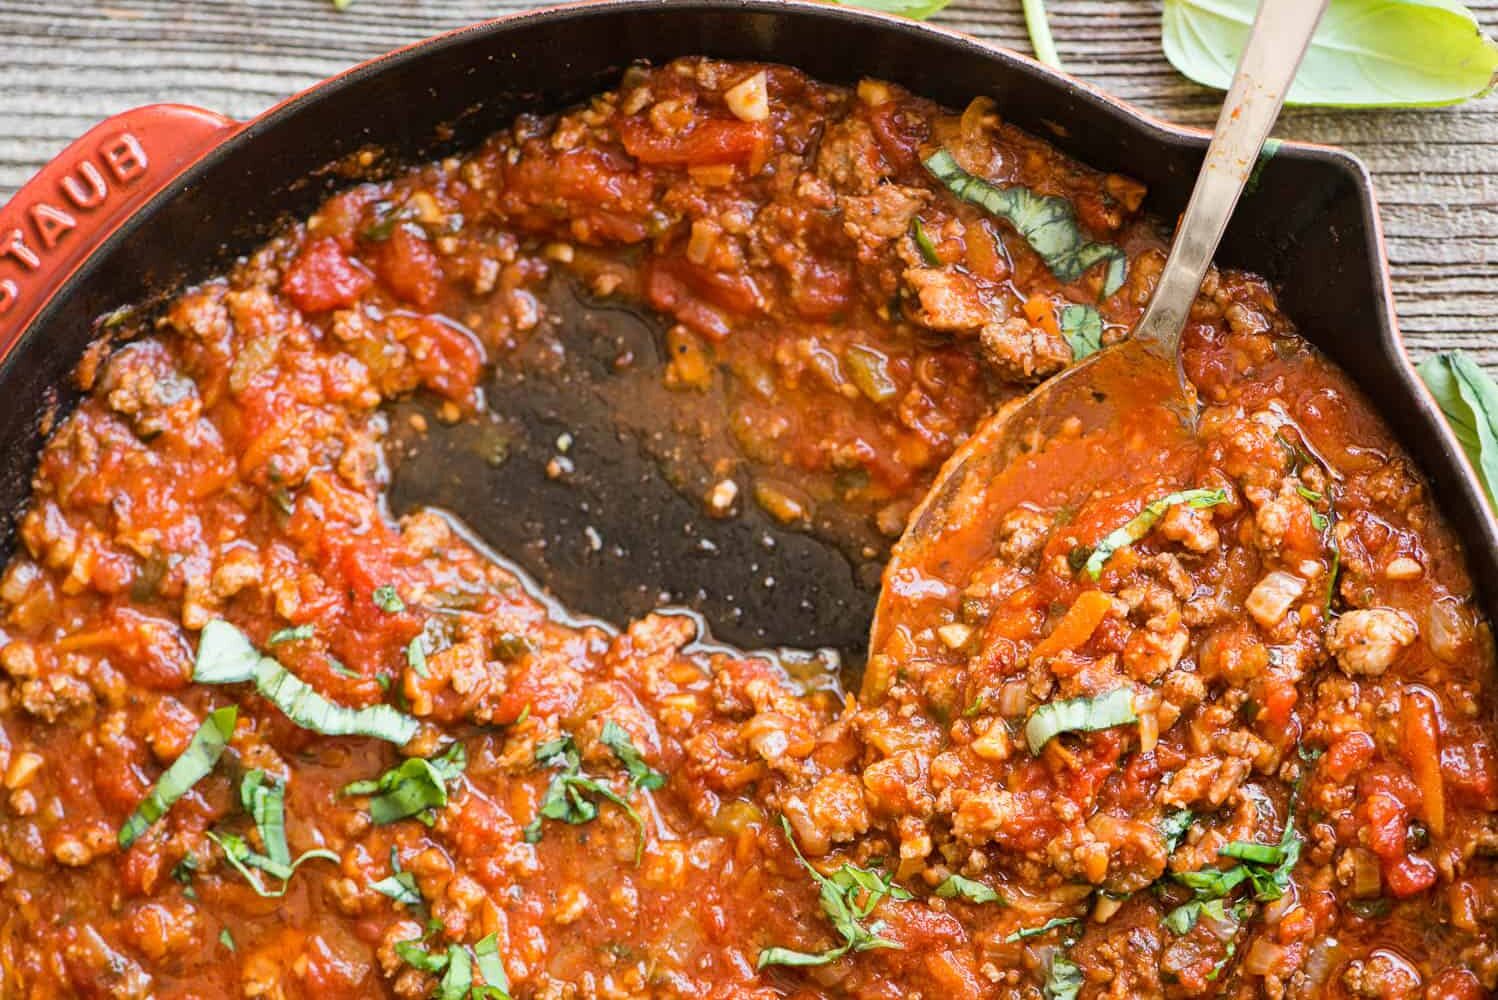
[1220, 727]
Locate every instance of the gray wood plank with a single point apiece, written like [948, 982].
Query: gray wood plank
[65, 67]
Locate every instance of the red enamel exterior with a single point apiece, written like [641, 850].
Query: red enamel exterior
[80, 197]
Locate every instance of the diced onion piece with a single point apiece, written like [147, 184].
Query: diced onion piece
[1367, 877]
[1263, 957]
[749, 99]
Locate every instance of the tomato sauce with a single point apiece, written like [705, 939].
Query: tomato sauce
[1251, 755]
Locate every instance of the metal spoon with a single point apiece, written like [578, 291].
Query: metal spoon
[1046, 448]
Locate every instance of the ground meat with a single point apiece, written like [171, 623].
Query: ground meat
[1368, 640]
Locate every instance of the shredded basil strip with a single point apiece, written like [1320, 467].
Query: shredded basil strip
[567, 796]
[458, 979]
[491, 966]
[848, 896]
[1261, 854]
[244, 860]
[196, 762]
[1063, 978]
[1048, 223]
[264, 798]
[387, 599]
[414, 955]
[1140, 524]
[1079, 715]
[1082, 328]
[641, 774]
[416, 657]
[1026, 933]
[923, 243]
[399, 885]
[1173, 828]
[415, 787]
[226, 939]
[957, 887]
[226, 656]
[296, 634]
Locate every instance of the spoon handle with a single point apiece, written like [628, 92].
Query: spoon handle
[1281, 33]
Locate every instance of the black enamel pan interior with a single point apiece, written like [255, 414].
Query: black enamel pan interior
[1310, 225]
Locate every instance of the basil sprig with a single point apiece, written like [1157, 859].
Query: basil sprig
[196, 762]
[1048, 223]
[415, 787]
[848, 896]
[226, 656]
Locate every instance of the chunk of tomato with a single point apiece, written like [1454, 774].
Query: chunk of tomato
[708, 142]
[322, 277]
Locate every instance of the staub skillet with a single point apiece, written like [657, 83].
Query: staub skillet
[164, 195]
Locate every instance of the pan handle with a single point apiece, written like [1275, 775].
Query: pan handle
[85, 193]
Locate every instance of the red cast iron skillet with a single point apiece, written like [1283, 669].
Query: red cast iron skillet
[164, 195]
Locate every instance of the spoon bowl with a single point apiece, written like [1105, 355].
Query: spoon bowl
[1094, 423]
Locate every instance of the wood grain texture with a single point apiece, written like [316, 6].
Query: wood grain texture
[64, 67]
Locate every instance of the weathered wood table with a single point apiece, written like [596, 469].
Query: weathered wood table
[65, 66]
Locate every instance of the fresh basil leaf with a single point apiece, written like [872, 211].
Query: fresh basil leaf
[786, 956]
[1082, 326]
[416, 657]
[458, 979]
[244, 860]
[1393, 53]
[1184, 917]
[399, 886]
[225, 655]
[1048, 223]
[413, 787]
[226, 939]
[1140, 524]
[417, 957]
[1039, 28]
[303, 705]
[204, 750]
[264, 798]
[1260, 854]
[1063, 978]
[296, 634]
[1086, 714]
[387, 599]
[957, 887]
[567, 796]
[1213, 883]
[1024, 934]
[923, 243]
[917, 10]
[491, 967]
[1469, 398]
[641, 774]
[1173, 828]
